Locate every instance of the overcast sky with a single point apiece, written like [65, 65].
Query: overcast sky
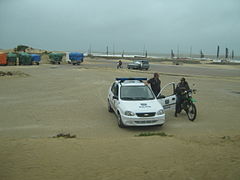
[129, 25]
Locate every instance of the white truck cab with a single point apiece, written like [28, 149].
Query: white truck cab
[135, 104]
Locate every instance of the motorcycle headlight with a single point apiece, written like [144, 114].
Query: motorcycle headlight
[129, 113]
[160, 112]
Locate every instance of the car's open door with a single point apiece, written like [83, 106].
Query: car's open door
[167, 98]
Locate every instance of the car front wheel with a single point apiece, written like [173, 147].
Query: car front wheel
[119, 119]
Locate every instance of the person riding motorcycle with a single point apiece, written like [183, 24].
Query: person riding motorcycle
[182, 86]
[119, 65]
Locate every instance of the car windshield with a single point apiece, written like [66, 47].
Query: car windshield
[136, 93]
[136, 62]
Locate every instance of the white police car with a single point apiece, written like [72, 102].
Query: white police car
[135, 104]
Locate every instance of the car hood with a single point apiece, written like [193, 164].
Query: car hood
[141, 106]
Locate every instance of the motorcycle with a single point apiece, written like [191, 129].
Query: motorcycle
[188, 104]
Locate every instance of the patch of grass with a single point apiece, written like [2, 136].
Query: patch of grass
[226, 137]
[13, 73]
[6, 73]
[152, 134]
[64, 135]
[236, 92]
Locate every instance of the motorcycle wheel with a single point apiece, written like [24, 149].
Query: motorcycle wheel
[192, 112]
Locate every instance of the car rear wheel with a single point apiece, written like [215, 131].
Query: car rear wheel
[109, 107]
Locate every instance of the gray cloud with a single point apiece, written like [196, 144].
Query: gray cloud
[159, 25]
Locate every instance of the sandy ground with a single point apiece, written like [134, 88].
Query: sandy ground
[40, 102]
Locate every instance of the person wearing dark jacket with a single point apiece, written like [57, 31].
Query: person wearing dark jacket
[182, 86]
[119, 65]
[155, 84]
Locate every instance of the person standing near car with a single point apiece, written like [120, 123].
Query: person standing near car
[155, 84]
[182, 86]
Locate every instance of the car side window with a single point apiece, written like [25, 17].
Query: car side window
[168, 90]
[114, 89]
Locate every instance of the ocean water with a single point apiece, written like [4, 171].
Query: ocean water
[162, 55]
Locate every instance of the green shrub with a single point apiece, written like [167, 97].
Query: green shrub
[152, 134]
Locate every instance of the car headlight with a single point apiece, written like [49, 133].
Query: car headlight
[160, 112]
[129, 113]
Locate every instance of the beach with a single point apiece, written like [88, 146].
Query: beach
[40, 102]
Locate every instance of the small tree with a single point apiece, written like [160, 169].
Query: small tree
[21, 47]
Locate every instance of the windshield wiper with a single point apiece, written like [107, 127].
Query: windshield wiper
[143, 98]
[140, 98]
[136, 98]
[128, 98]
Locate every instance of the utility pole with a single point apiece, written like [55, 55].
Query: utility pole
[144, 51]
[113, 49]
[178, 52]
[191, 52]
[201, 54]
[172, 54]
[226, 53]
[232, 54]
[218, 49]
[90, 50]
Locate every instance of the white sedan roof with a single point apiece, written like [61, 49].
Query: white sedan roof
[132, 83]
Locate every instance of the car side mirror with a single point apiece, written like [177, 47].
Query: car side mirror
[160, 96]
[115, 97]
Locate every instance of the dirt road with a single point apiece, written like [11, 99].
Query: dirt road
[53, 99]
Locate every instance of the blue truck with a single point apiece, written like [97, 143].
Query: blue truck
[76, 58]
[36, 58]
